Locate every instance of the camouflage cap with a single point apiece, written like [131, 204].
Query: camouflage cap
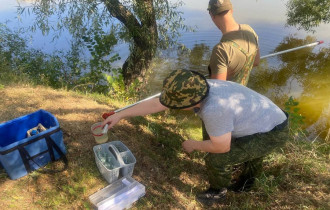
[183, 89]
[218, 6]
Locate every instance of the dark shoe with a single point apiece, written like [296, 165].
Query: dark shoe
[242, 185]
[212, 195]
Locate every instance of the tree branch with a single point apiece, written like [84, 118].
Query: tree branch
[119, 11]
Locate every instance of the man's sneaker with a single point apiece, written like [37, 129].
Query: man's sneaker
[212, 195]
[242, 185]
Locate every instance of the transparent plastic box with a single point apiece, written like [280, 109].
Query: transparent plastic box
[121, 194]
[113, 160]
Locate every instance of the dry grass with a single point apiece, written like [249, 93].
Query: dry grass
[171, 177]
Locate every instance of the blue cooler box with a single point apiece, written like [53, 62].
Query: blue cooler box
[20, 154]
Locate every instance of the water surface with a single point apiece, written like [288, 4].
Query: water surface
[303, 74]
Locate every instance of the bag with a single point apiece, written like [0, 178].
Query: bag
[21, 154]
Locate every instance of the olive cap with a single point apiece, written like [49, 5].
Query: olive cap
[218, 6]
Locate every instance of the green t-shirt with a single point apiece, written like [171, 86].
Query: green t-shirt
[226, 57]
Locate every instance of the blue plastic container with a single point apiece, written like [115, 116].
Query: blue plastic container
[20, 154]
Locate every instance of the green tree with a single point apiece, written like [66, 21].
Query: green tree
[144, 24]
[19, 62]
[308, 14]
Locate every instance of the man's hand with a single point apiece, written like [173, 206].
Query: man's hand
[146, 107]
[217, 144]
[188, 146]
[112, 120]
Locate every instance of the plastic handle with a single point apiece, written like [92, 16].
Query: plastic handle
[105, 129]
[108, 114]
[115, 152]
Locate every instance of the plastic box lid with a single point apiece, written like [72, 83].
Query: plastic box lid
[120, 194]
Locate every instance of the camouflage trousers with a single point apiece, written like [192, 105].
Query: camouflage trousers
[248, 151]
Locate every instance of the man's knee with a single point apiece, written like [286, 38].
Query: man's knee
[220, 159]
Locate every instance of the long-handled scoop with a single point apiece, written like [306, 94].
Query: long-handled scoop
[105, 115]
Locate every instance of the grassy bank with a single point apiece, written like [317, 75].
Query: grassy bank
[295, 178]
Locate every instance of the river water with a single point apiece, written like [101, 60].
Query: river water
[303, 74]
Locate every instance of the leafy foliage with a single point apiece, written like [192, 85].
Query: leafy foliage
[170, 24]
[59, 70]
[145, 25]
[307, 14]
[15, 57]
[295, 118]
[118, 89]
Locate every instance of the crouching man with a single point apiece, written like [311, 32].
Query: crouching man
[243, 126]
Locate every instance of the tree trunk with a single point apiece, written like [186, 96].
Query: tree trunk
[142, 30]
[137, 63]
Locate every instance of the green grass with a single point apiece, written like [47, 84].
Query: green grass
[297, 177]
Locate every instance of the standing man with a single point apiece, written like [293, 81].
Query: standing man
[232, 59]
[243, 125]
[237, 52]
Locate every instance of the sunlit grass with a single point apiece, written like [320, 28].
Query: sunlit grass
[295, 177]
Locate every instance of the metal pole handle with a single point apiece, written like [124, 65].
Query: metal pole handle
[105, 115]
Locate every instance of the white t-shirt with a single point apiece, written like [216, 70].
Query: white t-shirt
[231, 107]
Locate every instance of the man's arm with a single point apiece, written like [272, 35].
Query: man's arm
[222, 76]
[147, 107]
[218, 67]
[257, 58]
[216, 144]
